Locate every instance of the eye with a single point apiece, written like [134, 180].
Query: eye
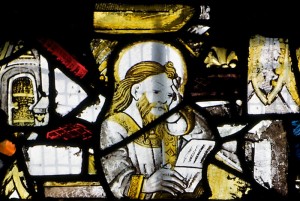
[156, 91]
[170, 95]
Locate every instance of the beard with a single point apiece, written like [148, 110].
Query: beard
[145, 107]
[155, 136]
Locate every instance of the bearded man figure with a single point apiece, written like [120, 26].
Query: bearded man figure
[145, 167]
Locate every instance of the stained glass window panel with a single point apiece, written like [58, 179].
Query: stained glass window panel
[149, 100]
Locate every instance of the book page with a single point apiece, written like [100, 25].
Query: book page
[190, 161]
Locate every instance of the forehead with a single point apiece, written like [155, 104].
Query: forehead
[158, 81]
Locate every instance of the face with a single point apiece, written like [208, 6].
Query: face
[158, 91]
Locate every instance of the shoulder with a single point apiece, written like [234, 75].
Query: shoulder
[123, 120]
[119, 117]
[111, 132]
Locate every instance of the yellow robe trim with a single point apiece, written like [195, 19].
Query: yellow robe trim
[170, 141]
[170, 146]
[135, 187]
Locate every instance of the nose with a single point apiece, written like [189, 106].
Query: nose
[165, 102]
[167, 99]
[163, 99]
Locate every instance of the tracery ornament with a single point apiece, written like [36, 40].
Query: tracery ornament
[221, 57]
[270, 74]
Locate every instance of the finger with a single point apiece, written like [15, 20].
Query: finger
[172, 178]
[176, 82]
[172, 186]
[171, 172]
[177, 94]
[176, 174]
[175, 90]
[169, 190]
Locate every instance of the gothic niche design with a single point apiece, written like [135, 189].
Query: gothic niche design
[25, 88]
[271, 81]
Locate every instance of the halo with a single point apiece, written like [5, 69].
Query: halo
[149, 51]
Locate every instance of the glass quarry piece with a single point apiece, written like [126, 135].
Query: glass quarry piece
[91, 112]
[52, 160]
[24, 86]
[76, 190]
[266, 153]
[101, 50]
[225, 185]
[69, 93]
[271, 81]
[14, 184]
[115, 18]
[219, 75]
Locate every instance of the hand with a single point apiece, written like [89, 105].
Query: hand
[176, 100]
[164, 179]
[177, 97]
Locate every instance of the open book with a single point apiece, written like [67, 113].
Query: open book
[190, 161]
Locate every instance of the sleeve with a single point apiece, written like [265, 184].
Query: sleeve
[135, 187]
[117, 166]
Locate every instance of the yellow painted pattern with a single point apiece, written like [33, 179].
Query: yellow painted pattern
[224, 185]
